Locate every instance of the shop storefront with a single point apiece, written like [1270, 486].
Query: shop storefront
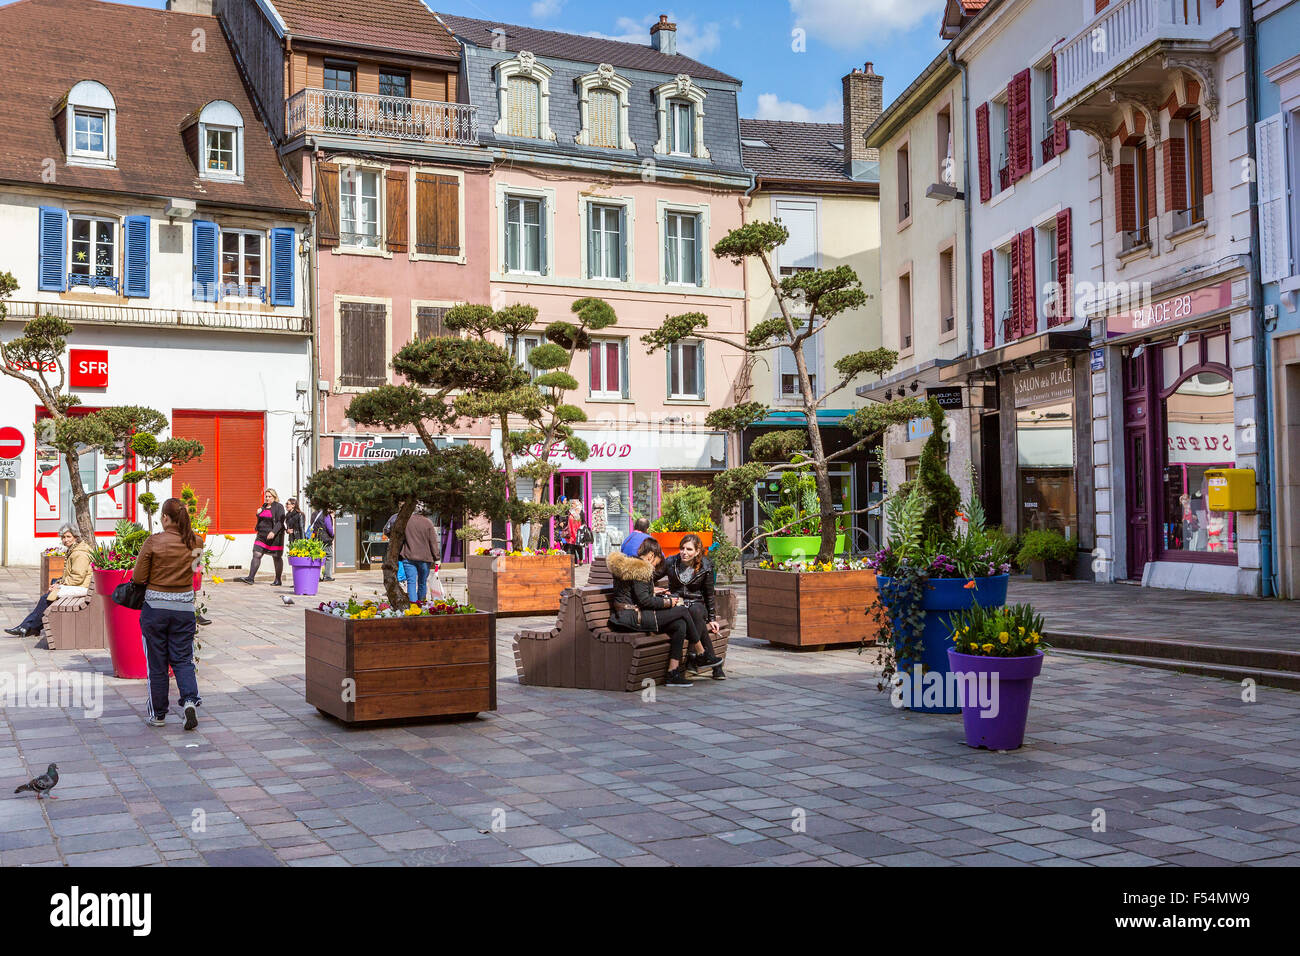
[1181, 414]
[623, 478]
[1045, 452]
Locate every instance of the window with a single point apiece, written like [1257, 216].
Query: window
[603, 109]
[94, 253]
[89, 124]
[1142, 203]
[523, 97]
[219, 154]
[799, 252]
[1195, 171]
[438, 214]
[943, 144]
[1046, 269]
[220, 141]
[605, 242]
[788, 390]
[1199, 430]
[681, 125]
[603, 113]
[524, 234]
[394, 84]
[359, 207]
[947, 315]
[90, 133]
[524, 346]
[1047, 128]
[681, 242]
[340, 76]
[607, 368]
[1000, 134]
[241, 264]
[904, 186]
[905, 312]
[686, 370]
[1006, 305]
[363, 350]
[231, 475]
[428, 322]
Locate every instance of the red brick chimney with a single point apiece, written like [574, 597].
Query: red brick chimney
[863, 103]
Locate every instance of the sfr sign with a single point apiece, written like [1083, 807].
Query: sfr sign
[89, 368]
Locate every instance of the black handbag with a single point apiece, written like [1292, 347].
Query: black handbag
[130, 595]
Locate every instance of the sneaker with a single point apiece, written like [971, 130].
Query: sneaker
[719, 673]
[678, 678]
[191, 716]
[696, 661]
[156, 721]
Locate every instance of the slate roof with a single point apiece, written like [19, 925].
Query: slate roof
[405, 26]
[582, 49]
[798, 151]
[157, 83]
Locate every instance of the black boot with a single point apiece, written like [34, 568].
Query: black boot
[678, 678]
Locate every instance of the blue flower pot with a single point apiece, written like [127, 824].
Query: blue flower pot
[942, 597]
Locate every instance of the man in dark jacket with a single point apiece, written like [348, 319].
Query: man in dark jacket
[638, 608]
[419, 552]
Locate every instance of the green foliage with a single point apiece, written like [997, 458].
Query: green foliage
[779, 445]
[771, 331]
[933, 479]
[1015, 631]
[799, 512]
[875, 362]
[737, 417]
[726, 556]
[199, 519]
[674, 329]
[475, 319]
[595, 314]
[148, 503]
[548, 356]
[1049, 546]
[568, 336]
[872, 421]
[751, 239]
[735, 485]
[685, 508]
[557, 380]
[308, 548]
[398, 407]
[446, 364]
[905, 514]
[1006, 542]
[128, 538]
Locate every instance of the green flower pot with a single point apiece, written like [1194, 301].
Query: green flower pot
[785, 547]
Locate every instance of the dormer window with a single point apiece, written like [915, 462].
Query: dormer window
[681, 119]
[524, 98]
[603, 109]
[89, 118]
[221, 141]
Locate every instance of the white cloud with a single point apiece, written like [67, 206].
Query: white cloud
[693, 39]
[845, 24]
[546, 9]
[772, 107]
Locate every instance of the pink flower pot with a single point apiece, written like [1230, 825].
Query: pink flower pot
[122, 627]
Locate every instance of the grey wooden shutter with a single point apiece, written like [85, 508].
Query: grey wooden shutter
[623, 363]
[699, 369]
[541, 237]
[591, 241]
[699, 250]
[622, 255]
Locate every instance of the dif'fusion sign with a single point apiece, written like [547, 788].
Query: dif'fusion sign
[358, 450]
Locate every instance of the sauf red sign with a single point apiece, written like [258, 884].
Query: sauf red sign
[88, 368]
[1173, 310]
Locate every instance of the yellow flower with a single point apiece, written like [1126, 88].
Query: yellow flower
[965, 630]
[988, 648]
[1004, 637]
[216, 580]
[1022, 632]
[1034, 637]
[974, 646]
[413, 610]
[229, 537]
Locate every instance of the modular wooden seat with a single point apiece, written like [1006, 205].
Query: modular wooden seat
[582, 649]
[75, 623]
[599, 576]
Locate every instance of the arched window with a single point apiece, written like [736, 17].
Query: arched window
[523, 99]
[90, 130]
[220, 141]
[603, 113]
[603, 109]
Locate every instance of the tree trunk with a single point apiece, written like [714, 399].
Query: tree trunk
[513, 531]
[80, 500]
[396, 539]
[821, 471]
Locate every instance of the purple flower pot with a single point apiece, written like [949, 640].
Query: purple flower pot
[996, 719]
[306, 574]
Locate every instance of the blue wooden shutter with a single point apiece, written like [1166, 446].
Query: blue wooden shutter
[541, 236]
[136, 284]
[622, 259]
[282, 266]
[205, 261]
[699, 250]
[52, 250]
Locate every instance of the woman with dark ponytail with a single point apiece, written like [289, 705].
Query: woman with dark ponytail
[166, 566]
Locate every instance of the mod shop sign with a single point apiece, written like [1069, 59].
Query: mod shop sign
[1172, 310]
[636, 451]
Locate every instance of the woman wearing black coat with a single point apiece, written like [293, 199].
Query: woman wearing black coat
[295, 522]
[638, 608]
[690, 577]
[270, 537]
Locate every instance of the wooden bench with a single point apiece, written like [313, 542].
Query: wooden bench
[75, 623]
[582, 650]
[599, 576]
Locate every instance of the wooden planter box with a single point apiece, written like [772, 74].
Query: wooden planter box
[52, 566]
[811, 610]
[425, 666]
[518, 585]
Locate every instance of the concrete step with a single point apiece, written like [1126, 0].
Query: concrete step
[1267, 677]
[1184, 652]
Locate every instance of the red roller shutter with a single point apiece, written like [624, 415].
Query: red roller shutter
[229, 477]
[1028, 292]
[1064, 268]
[982, 138]
[990, 329]
[201, 474]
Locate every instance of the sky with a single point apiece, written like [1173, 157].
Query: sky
[789, 54]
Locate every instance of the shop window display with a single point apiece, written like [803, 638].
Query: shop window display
[1198, 436]
[1045, 446]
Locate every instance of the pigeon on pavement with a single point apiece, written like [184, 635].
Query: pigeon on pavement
[42, 784]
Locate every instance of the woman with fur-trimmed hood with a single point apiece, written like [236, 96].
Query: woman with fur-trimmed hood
[638, 608]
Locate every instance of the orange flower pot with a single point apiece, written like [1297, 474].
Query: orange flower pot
[671, 541]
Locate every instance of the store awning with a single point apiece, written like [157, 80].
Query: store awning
[1044, 346]
[925, 375]
[826, 418]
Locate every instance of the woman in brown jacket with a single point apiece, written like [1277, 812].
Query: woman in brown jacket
[166, 566]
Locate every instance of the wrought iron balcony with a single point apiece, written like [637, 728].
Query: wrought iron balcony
[1126, 34]
[243, 320]
[372, 116]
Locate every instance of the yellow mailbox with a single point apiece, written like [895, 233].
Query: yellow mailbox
[1230, 489]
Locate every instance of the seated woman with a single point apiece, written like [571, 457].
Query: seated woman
[690, 577]
[74, 583]
[638, 608]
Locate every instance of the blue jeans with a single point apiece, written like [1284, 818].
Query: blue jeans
[34, 621]
[417, 580]
[169, 640]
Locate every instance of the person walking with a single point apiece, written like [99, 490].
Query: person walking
[74, 583]
[690, 577]
[573, 531]
[295, 522]
[638, 608]
[270, 537]
[632, 543]
[420, 552]
[322, 527]
[165, 566]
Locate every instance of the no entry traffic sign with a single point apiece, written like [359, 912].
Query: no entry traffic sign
[12, 442]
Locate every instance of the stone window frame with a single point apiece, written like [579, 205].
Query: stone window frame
[525, 65]
[682, 87]
[604, 77]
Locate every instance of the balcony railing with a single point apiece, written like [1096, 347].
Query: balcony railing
[250, 320]
[1186, 218]
[1048, 141]
[373, 116]
[1125, 28]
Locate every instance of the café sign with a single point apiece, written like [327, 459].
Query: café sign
[1172, 310]
[1050, 385]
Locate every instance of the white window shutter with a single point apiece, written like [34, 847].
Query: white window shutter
[1274, 225]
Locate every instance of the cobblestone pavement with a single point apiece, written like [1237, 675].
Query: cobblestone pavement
[797, 759]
